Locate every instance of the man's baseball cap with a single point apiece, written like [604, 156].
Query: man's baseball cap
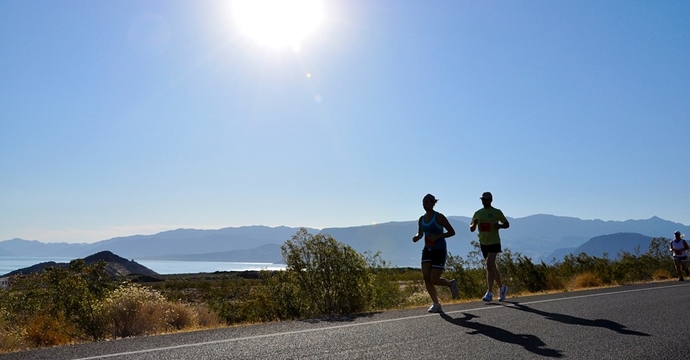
[676, 232]
[487, 195]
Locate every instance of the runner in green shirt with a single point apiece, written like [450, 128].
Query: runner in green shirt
[489, 220]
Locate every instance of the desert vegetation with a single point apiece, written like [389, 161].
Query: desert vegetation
[323, 278]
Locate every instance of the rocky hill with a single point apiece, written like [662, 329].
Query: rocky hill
[116, 266]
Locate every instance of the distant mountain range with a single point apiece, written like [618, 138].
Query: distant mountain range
[540, 237]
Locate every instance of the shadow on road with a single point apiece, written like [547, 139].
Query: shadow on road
[574, 320]
[531, 343]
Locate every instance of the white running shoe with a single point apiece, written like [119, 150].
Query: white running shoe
[436, 308]
[502, 293]
[454, 288]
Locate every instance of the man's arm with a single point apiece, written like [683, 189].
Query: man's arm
[504, 222]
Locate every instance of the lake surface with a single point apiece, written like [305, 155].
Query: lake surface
[163, 267]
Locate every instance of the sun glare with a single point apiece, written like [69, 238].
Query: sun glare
[278, 23]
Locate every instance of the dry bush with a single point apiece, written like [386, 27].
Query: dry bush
[134, 310]
[11, 339]
[416, 295]
[586, 280]
[180, 316]
[662, 274]
[44, 330]
[10, 342]
[206, 318]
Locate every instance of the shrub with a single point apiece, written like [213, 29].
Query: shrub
[554, 282]
[260, 304]
[417, 295]
[205, 317]
[77, 292]
[659, 249]
[11, 338]
[44, 330]
[69, 295]
[471, 281]
[528, 276]
[134, 310]
[586, 280]
[325, 276]
[179, 316]
[226, 298]
[387, 292]
[629, 268]
[662, 274]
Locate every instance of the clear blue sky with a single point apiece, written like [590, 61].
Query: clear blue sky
[135, 116]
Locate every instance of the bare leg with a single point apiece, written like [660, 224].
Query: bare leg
[679, 267]
[492, 273]
[436, 278]
[428, 282]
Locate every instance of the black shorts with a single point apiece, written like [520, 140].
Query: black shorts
[493, 248]
[681, 258]
[437, 257]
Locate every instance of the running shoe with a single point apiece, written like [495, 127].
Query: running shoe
[488, 296]
[436, 308]
[454, 288]
[502, 293]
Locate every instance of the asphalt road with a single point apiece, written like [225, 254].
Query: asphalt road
[647, 321]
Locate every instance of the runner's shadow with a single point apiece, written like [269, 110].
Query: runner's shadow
[574, 320]
[531, 343]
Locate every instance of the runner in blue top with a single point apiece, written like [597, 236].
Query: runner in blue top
[431, 227]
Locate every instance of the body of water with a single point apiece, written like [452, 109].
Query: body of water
[163, 267]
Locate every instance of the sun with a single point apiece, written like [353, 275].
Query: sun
[278, 23]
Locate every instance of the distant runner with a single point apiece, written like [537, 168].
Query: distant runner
[434, 254]
[489, 220]
[680, 248]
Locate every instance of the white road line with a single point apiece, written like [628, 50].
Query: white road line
[366, 323]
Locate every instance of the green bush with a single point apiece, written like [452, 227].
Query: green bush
[388, 292]
[322, 278]
[471, 281]
[325, 276]
[77, 293]
[69, 295]
[533, 278]
[228, 297]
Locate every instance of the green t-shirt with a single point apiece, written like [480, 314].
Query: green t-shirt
[488, 233]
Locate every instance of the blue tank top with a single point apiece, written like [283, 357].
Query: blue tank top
[432, 227]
